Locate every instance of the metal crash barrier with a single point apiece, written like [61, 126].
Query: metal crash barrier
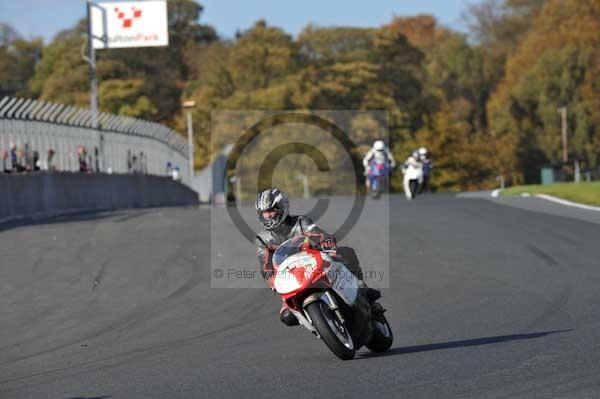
[47, 127]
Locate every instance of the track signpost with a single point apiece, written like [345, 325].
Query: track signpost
[122, 24]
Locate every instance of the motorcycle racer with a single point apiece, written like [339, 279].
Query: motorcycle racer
[272, 206]
[379, 154]
[413, 175]
[427, 166]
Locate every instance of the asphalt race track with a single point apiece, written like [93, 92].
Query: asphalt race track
[487, 300]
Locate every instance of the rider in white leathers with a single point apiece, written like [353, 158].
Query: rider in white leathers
[413, 171]
[378, 154]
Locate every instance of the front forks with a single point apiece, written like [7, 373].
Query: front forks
[331, 302]
[329, 299]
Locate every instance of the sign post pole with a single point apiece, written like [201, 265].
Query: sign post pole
[94, 85]
[121, 25]
[189, 105]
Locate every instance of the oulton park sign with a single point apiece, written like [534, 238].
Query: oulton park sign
[129, 24]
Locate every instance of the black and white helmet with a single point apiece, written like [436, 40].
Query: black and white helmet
[272, 199]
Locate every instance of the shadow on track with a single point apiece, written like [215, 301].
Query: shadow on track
[119, 216]
[460, 344]
[95, 397]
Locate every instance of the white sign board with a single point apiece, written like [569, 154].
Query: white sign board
[129, 24]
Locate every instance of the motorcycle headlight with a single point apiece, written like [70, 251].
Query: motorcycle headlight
[286, 283]
[295, 272]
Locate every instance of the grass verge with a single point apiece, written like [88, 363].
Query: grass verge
[584, 193]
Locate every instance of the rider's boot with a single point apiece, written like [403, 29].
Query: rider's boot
[287, 317]
[371, 293]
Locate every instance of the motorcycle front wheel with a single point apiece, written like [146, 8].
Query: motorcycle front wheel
[377, 188]
[333, 332]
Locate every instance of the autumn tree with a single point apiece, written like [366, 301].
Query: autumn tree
[484, 102]
[18, 58]
[552, 68]
[138, 82]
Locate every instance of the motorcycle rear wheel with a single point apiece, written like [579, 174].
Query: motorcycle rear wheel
[382, 337]
[335, 334]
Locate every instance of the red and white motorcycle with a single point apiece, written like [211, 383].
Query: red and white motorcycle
[325, 297]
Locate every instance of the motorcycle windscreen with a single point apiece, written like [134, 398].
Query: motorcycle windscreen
[287, 249]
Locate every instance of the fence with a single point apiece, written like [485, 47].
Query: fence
[36, 125]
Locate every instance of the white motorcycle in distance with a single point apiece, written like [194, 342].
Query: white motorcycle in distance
[413, 177]
[324, 295]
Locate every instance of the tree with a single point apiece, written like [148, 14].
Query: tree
[144, 82]
[551, 68]
[261, 57]
[18, 58]
[62, 75]
[326, 68]
[8, 35]
[125, 97]
[420, 30]
[498, 27]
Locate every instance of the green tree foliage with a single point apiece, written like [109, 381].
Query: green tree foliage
[325, 68]
[551, 68]
[142, 82]
[62, 75]
[18, 58]
[455, 94]
[484, 103]
[125, 97]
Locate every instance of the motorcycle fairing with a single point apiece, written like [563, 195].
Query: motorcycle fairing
[342, 281]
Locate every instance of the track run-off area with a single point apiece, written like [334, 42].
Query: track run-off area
[487, 298]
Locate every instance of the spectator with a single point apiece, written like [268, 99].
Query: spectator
[134, 165]
[143, 164]
[169, 169]
[129, 161]
[5, 167]
[21, 161]
[14, 160]
[81, 156]
[50, 161]
[36, 161]
[90, 163]
[175, 175]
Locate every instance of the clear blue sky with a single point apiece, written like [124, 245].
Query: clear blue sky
[45, 18]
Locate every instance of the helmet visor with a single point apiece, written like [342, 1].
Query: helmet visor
[269, 214]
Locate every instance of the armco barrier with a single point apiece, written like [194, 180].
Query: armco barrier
[50, 194]
[37, 125]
